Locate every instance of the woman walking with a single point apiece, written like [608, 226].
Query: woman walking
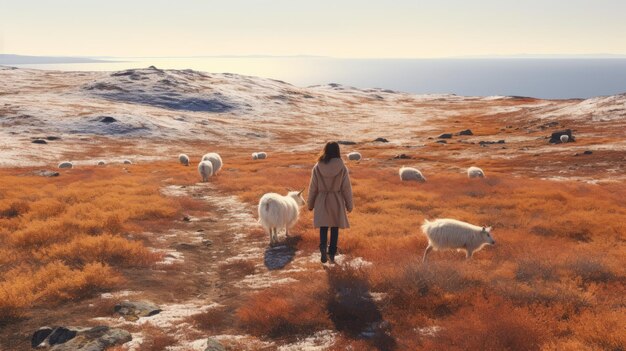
[330, 196]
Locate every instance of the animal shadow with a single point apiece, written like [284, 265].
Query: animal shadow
[353, 310]
[280, 255]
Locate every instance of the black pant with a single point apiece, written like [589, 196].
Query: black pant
[334, 236]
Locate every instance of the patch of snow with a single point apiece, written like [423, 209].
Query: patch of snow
[319, 341]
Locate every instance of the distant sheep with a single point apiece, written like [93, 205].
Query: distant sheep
[205, 168]
[475, 172]
[354, 156]
[66, 164]
[409, 173]
[278, 211]
[450, 234]
[183, 159]
[128, 162]
[564, 138]
[259, 155]
[215, 160]
[101, 163]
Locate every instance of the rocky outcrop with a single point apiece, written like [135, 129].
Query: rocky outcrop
[79, 339]
[133, 310]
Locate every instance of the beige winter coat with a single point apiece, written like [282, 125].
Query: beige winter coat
[330, 194]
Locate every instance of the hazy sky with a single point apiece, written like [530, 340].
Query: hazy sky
[340, 28]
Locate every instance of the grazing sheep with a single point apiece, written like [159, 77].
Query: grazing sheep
[450, 234]
[101, 163]
[128, 162]
[354, 156]
[278, 211]
[408, 173]
[66, 164]
[259, 155]
[183, 159]
[564, 138]
[215, 160]
[475, 172]
[205, 168]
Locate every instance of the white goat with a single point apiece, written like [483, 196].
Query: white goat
[215, 160]
[66, 164]
[408, 173]
[475, 172]
[205, 168]
[183, 159]
[354, 156]
[564, 138]
[450, 234]
[278, 211]
[259, 155]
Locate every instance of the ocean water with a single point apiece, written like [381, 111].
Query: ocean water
[543, 78]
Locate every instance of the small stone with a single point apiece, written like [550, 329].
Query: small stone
[588, 152]
[207, 242]
[39, 141]
[187, 219]
[445, 136]
[108, 119]
[381, 140]
[441, 141]
[214, 345]
[46, 173]
[466, 132]
[402, 157]
[346, 142]
[132, 310]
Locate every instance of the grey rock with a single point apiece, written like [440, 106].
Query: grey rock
[555, 138]
[214, 345]
[346, 142]
[79, 339]
[401, 157]
[46, 173]
[381, 140]
[39, 141]
[133, 310]
[466, 132]
[108, 119]
[445, 136]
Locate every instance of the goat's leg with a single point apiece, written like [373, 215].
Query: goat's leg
[428, 249]
[469, 254]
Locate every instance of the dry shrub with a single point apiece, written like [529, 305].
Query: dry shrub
[107, 248]
[490, 324]
[286, 310]
[215, 320]
[61, 237]
[155, 339]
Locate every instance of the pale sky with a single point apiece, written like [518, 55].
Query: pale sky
[338, 28]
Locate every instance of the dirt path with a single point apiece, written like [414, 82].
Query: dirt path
[214, 262]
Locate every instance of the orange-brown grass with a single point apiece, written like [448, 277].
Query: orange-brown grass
[557, 264]
[287, 310]
[66, 237]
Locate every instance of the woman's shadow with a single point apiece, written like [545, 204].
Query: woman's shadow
[280, 255]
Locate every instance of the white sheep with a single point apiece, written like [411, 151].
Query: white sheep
[215, 160]
[101, 163]
[354, 156]
[475, 172]
[183, 159]
[128, 162]
[278, 211]
[564, 138]
[450, 234]
[259, 155]
[66, 164]
[205, 168]
[409, 173]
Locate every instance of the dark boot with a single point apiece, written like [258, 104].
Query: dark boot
[324, 259]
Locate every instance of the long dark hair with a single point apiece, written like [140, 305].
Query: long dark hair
[331, 150]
